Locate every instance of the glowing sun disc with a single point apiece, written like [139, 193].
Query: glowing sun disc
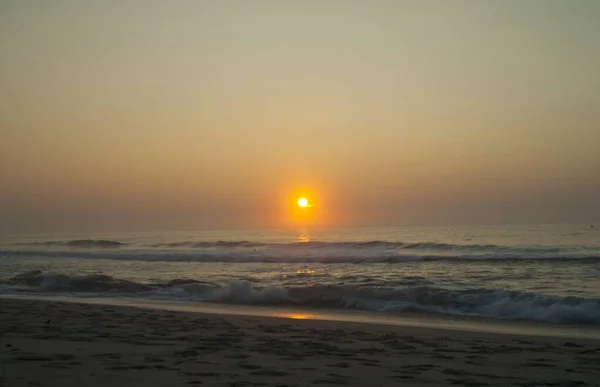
[303, 202]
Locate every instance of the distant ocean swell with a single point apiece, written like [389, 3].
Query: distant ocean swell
[81, 243]
[425, 298]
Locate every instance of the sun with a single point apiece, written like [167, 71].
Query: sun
[302, 202]
[303, 207]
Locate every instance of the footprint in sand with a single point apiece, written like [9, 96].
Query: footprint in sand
[248, 366]
[269, 373]
[339, 365]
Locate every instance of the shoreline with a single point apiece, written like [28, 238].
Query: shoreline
[473, 324]
[51, 343]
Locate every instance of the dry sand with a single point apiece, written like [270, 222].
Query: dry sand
[95, 345]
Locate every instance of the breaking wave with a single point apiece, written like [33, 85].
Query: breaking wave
[470, 302]
[374, 251]
[282, 256]
[434, 246]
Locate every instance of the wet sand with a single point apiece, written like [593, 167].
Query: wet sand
[69, 344]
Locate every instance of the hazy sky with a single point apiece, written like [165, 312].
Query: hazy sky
[152, 114]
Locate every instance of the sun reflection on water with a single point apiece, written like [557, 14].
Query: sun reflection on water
[305, 271]
[303, 237]
[295, 316]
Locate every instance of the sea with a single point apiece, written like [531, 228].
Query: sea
[547, 273]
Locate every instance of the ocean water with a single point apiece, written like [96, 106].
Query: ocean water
[548, 273]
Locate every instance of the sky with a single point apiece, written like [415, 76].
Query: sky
[124, 115]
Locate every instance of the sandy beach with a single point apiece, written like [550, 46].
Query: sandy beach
[70, 344]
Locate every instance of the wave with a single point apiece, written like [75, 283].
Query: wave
[470, 302]
[376, 244]
[354, 252]
[81, 243]
[346, 245]
[76, 283]
[280, 256]
[201, 244]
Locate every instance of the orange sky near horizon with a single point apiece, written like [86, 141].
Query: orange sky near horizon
[152, 115]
